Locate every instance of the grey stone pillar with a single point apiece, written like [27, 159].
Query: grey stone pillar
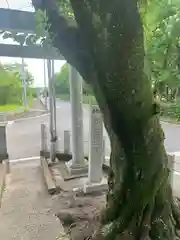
[4, 158]
[45, 85]
[3, 143]
[23, 80]
[96, 181]
[77, 165]
[66, 142]
[44, 138]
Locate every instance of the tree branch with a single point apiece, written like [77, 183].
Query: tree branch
[73, 44]
[66, 37]
[90, 24]
[84, 19]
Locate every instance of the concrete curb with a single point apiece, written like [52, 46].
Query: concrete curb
[4, 115]
[26, 118]
[51, 187]
[3, 120]
[29, 118]
[3, 171]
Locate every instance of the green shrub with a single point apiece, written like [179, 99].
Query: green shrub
[11, 90]
[10, 95]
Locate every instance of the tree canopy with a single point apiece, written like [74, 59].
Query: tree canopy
[161, 30]
[16, 69]
[62, 82]
[10, 87]
[163, 51]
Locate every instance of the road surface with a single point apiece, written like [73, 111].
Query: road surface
[23, 137]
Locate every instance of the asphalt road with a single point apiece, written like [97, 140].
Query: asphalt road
[23, 137]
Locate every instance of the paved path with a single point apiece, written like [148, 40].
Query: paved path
[26, 212]
[24, 136]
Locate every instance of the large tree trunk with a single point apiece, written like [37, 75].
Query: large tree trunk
[139, 202]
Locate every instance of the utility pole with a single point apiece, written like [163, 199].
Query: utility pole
[23, 80]
[54, 96]
[52, 108]
[45, 84]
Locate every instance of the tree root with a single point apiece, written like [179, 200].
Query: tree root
[125, 228]
[137, 212]
[175, 206]
[176, 211]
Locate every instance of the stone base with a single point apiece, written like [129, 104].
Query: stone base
[96, 187]
[3, 172]
[77, 169]
[6, 162]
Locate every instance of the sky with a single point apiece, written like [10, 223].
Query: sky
[35, 66]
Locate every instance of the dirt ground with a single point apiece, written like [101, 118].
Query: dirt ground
[79, 213]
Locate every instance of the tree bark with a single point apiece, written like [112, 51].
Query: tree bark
[140, 203]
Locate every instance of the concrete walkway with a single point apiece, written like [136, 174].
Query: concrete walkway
[26, 207]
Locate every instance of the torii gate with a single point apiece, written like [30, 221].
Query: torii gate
[21, 21]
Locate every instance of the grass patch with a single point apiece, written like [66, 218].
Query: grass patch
[30, 101]
[9, 107]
